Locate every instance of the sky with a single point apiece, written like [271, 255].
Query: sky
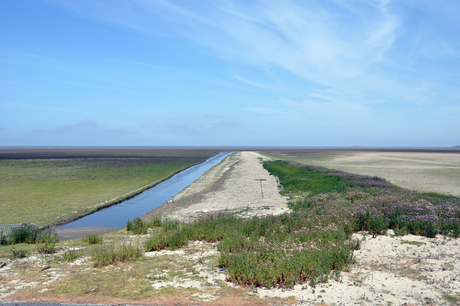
[375, 73]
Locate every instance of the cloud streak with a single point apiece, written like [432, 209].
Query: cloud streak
[307, 38]
[329, 43]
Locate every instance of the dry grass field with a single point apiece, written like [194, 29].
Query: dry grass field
[426, 171]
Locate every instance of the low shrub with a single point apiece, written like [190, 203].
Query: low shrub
[155, 243]
[92, 238]
[138, 226]
[24, 233]
[47, 240]
[169, 225]
[47, 236]
[4, 239]
[450, 227]
[46, 248]
[20, 253]
[155, 222]
[129, 225]
[172, 240]
[176, 239]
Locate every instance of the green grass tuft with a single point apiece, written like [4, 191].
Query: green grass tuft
[105, 255]
[93, 238]
[71, 255]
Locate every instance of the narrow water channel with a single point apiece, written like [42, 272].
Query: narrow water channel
[114, 217]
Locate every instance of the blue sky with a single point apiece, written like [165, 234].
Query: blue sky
[230, 73]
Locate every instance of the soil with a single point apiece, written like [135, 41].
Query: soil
[80, 232]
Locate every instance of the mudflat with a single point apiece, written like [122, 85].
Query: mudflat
[80, 232]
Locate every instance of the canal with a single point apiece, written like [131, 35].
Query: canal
[114, 217]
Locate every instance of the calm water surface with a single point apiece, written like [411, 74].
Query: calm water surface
[115, 216]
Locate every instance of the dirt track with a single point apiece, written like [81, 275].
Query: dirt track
[239, 184]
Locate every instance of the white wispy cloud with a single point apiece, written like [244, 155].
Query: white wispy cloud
[335, 43]
[307, 38]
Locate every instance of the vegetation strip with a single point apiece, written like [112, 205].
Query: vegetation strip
[50, 188]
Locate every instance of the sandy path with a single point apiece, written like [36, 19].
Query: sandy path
[241, 190]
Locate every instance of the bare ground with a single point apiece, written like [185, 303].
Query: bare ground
[239, 185]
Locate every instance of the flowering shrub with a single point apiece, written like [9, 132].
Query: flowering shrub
[372, 204]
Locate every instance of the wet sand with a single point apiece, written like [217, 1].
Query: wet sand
[80, 232]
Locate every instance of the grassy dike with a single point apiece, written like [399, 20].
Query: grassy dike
[55, 186]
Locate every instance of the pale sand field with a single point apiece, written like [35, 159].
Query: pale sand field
[421, 171]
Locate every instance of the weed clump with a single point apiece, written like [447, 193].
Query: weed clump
[92, 238]
[71, 255]
[4, 239]
[46, 240]
[110, 255]
[172, 240]
[19, 253]
[138, 226]
[24, 233]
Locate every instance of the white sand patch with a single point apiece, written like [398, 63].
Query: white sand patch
[54, 277]
[184, 283]
[164, 252]
[80, 261]
[389, 271]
